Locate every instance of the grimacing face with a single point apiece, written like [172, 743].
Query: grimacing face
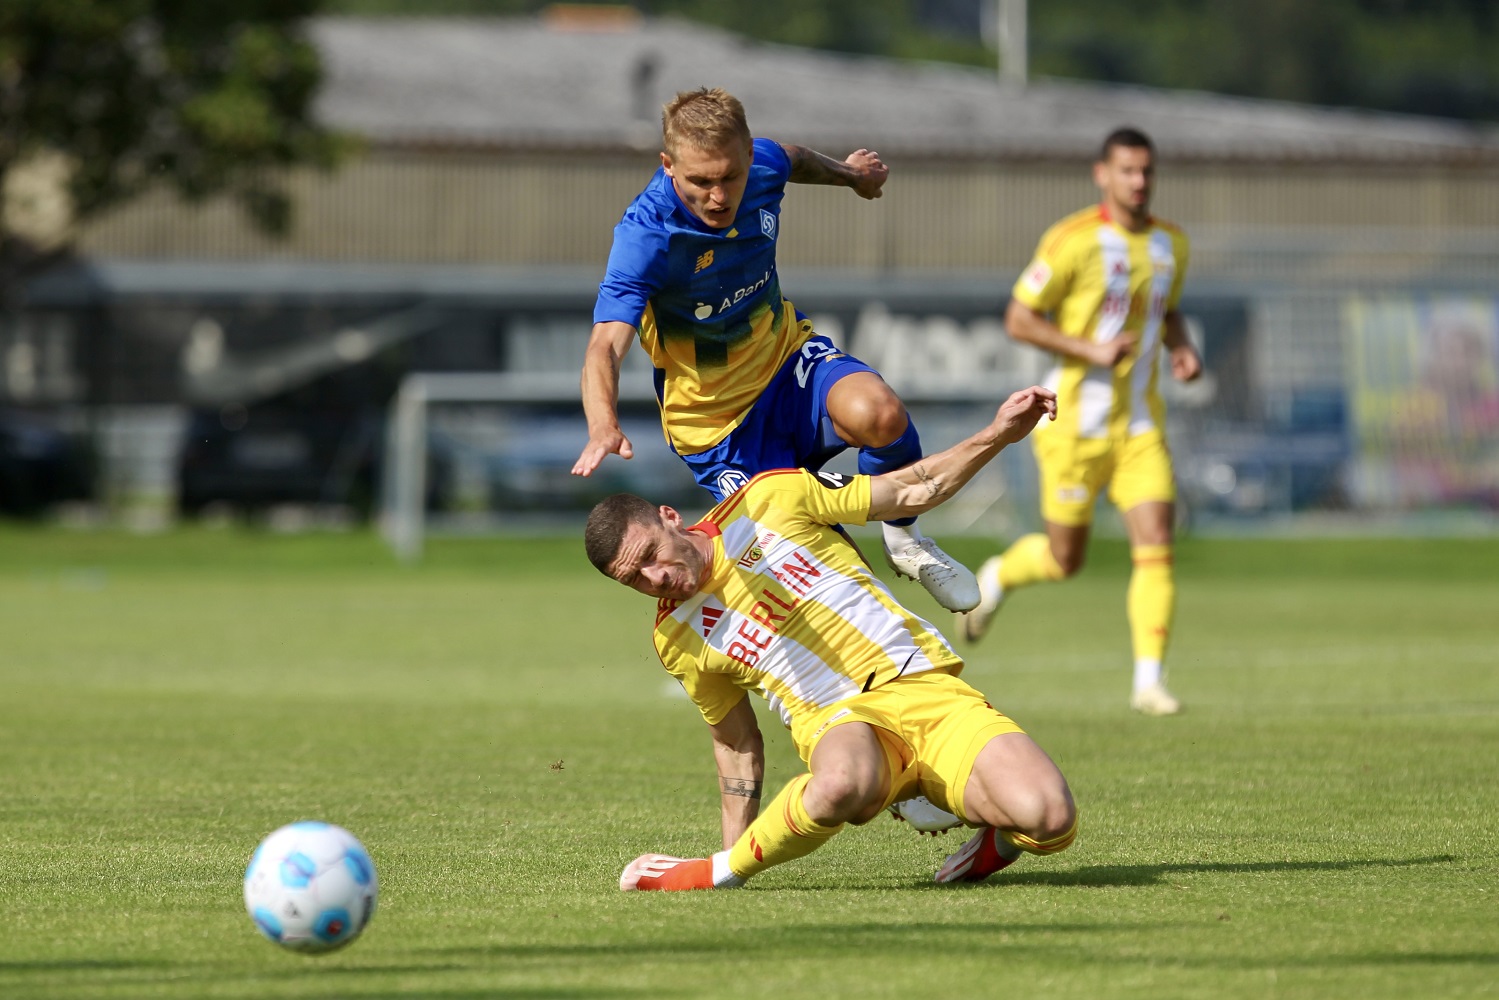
[1125, 180]
[710, 182]
[660, 560]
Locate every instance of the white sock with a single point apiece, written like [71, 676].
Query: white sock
[1147, 672]
[898, 536]
[723, 875]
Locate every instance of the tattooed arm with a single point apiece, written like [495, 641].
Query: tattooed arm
[863, 170]
[931, 480]
[739, 750]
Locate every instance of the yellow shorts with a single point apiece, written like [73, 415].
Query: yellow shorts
[932, 726]
[1073, 470]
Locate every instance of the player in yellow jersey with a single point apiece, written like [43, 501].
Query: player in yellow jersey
[766, 594]
[1102, 295]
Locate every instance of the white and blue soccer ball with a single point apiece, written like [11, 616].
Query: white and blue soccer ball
[311, 887]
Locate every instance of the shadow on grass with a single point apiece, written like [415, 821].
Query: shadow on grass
[1077, 944]
[426, 990]
[1134, 875]
[1426, 958]
[79, 965]
[348, 987]
[800, 940]
[1105, 875]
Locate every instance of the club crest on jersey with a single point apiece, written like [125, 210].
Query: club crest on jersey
[730, 481]
[767, 223]
[756, 550]
[1036, 277]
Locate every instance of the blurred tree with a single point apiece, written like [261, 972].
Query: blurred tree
[101, 100]
[1434, 57]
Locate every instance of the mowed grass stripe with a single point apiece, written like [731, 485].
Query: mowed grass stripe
[1322, 821]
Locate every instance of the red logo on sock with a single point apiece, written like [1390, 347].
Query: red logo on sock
[755, 849]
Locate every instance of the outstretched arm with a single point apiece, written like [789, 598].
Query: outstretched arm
[863, 171]
[739, 750]
[606, 348]
[930, 481]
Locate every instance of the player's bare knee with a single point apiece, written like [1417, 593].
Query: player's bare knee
[1044, 823]
[1058, 818]
[843, 796]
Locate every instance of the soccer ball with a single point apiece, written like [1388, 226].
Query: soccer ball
[310, 887]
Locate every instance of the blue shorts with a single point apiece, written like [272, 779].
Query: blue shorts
[788, 427]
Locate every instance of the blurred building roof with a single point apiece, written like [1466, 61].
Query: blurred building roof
[599, 84]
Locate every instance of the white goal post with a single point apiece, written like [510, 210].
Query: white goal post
[403, 505]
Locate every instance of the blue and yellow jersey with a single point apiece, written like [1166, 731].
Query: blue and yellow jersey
[1099, 280]
[789, 608]
[707, 302]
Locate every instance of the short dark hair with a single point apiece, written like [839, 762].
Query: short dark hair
[1127, 136]
[610, 518]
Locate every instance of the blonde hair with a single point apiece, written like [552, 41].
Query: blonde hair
[705, 119]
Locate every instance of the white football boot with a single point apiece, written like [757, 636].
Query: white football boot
[946, 579]
[974, 624]
[1155, 700]
[923, 816]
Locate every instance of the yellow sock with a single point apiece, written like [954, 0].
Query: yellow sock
[1052, 846]
[1151, 601]
[1028, 561]
[784, 832]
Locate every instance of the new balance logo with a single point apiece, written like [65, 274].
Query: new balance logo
[710, 619]
[704, 261]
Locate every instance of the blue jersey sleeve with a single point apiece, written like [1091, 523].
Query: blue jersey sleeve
[768, 153]
[636, 271]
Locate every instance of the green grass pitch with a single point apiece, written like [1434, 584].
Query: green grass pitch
[1323, 821]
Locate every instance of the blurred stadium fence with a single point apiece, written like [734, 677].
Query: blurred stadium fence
[1351, 409]
[1353, 384]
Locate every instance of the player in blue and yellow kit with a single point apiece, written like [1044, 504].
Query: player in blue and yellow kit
[764, 595]
[744, 382]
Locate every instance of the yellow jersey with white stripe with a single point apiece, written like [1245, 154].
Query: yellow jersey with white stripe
[1100, 281]
[789, 608]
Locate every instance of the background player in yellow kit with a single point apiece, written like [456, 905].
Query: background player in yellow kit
[765, 594]
[1102, 295]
